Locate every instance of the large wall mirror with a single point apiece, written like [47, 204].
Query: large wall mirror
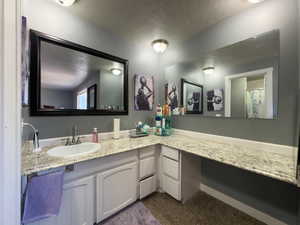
[70, 79]
[240, 80]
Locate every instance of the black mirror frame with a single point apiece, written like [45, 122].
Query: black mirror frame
[35, 77]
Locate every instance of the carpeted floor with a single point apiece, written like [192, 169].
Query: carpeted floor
[136, 214]
[200, 210]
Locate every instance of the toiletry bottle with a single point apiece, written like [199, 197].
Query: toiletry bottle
[158, 121]
[159, 110]
[95, 135]
[163, 123]
[158, 125]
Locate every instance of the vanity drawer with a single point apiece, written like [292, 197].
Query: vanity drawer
[170, 153]
[147, 186]
[147, 167]
[172, 187]
[146, 152]
[171, 168]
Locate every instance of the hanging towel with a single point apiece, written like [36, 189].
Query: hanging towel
[43, 197]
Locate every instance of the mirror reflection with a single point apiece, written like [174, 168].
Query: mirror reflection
[240, 80]
[75, 80]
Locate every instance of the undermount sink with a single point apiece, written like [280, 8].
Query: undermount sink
[74, 150]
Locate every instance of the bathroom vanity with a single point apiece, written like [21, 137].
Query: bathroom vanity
[100, 184]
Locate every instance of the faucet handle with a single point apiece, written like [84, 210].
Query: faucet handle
[78, 141]
[68, 142]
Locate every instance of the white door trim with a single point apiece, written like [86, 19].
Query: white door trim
[10, 111]
[268, 87]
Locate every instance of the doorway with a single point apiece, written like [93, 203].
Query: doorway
[250, 94]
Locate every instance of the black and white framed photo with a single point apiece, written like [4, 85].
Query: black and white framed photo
[92, 97]
[192, 97]
[215, 100]
[171, 95]
[143, 93]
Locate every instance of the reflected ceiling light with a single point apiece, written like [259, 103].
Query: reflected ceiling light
[209, 70]
[160, 45]
[255, 1]
[116, 71]
[65, 2]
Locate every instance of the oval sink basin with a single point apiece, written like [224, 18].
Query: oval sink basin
[74, 150]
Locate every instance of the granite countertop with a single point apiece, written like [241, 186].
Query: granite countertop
[261, 161]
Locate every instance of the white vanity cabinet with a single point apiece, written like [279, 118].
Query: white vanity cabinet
[77, 206]
[96, 189]
[171, 172]
[116, 189]
[147, 171]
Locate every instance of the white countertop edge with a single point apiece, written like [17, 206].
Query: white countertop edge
[289, 151]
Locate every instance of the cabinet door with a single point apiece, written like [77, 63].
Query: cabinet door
[77, 206]
[116, 189]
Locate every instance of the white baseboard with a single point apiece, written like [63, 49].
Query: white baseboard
[263, 217]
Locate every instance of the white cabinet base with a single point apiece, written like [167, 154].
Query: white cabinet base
[77, 207]
[116, 189]
[171, 187]
[148, 186]
[171, 172]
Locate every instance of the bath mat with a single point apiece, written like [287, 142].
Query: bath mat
[137, 214]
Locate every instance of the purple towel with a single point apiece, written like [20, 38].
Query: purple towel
[43, 197]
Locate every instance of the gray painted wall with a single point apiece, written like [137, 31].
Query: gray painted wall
[57, 98]
[111, 89]
[50, 18]
[268, 195]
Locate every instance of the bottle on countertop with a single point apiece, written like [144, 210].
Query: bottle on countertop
[158, 121]
[159, 110]
[163, 123]
[116, 128]
[95, 135]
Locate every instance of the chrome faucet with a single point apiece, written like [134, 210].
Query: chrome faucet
[75, 139]
[35, 140]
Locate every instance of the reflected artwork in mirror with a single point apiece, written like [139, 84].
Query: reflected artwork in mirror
[70, 79]
[192, 97]
[238, 81]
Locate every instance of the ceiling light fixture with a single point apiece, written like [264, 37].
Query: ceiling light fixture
[65, 2]
[116, 71]
[160, 45]
[255, 1]
[209, 70]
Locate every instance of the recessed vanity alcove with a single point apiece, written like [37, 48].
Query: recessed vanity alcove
[170, 98]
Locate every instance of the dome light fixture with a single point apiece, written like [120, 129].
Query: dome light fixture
[255, 1]
[209, 70]
[65, 3]
[116, 71]
[160, 45]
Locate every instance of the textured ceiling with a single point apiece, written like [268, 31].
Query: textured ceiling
[144, 20]
[65, 69]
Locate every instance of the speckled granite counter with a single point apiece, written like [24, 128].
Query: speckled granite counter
[275, 164]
